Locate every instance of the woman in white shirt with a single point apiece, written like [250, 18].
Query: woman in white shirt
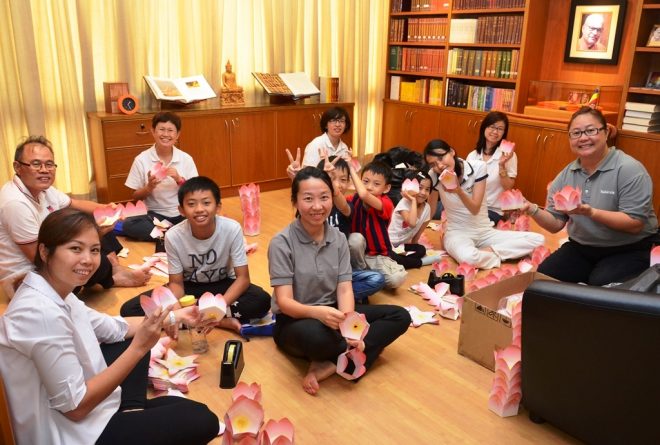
[502, 168]
[334, 123]
[60, 389]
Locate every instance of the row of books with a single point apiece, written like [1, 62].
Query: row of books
[434, 29]
[421, 5]
[488, 4]
[397, 27]
[491, 29]
[500, 64]
[423, 91]
[642, 117]
[429, 60]
[480, 98]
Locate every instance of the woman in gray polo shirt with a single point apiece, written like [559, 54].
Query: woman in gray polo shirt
[310, 273]
[611, 232]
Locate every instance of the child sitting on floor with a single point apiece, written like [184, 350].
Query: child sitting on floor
[206, 254]
[409, 221]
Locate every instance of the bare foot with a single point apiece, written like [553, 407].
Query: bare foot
[230, 323]
[125, 277]
[317, 372]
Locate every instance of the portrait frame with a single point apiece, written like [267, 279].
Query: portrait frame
[653, 42]
[610, 14]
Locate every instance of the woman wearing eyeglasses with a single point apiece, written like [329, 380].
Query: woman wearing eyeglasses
[502, 167]
[334, 123]
[611, 232]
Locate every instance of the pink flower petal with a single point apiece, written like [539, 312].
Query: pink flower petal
[503, 225]
[448, 179]
[137, 209]
[159, 171]
[419, 317]
[251, 391]
[175, 363]
[522, 223]
[358, 358]
[525, 265]
[441, 267]
[212, 306]
[467, 270]
[410, 185]
[567, 199]
[163, 296]
[354, 326]
[280, 433]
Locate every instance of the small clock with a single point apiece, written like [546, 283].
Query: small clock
[128, 104]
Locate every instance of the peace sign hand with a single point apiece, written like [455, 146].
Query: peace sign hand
[294, 164]
[328, 166]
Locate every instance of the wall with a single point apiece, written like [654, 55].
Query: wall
[554, 67]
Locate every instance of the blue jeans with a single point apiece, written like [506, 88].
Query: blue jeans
[365, 283]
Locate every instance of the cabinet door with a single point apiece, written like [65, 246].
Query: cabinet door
[423, 127]
[528, 146]
[252, 145]
[555, 154]
[645, 150]
[295, 128]
[206, 139]
[396, 126]
[460, 130]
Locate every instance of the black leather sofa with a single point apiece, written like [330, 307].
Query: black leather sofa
[591, 361]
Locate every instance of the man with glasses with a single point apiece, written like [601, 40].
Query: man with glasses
[26, 200]
[591, 33]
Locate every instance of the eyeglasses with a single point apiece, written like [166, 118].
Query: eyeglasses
[494, 128]
[577, 134]
[37, 165]
[337, 121]
[594, 30]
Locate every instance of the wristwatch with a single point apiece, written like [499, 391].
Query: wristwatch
[503, 173]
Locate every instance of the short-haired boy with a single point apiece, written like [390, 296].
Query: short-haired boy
[372, 210]
[206, 253]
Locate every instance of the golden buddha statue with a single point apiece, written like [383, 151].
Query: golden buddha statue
[231, 93]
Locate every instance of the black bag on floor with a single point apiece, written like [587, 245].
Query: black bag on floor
[456, 283]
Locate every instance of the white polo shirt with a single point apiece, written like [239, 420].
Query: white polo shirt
[20, 218]
[164, 198]
[312, 157]
[493, 184]
[400, 232]
[50, 348]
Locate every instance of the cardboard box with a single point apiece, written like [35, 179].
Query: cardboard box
[482, 328]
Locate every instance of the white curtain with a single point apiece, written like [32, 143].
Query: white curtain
[56, 54]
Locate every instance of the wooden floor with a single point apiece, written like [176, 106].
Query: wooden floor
[419, 391]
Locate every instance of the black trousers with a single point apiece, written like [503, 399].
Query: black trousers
[253, 304]
[310, 339]
[140, 227]
[412, 261]
[163, 420]
[576, 263]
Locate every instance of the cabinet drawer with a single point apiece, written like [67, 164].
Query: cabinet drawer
[119, 161]
[117, 191]
[127, 133]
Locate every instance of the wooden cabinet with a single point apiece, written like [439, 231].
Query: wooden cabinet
[411, 126]
[460, 130]
[233, 146]
[645, 150]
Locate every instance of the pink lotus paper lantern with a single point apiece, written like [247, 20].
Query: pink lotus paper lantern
[522, 223]
[511, 199]
[448, 179]
[505, 395]
[106, 216]
[277, 433]
[440, 267]
[249, 195]
[358, 358]
[451, 307]
[567, 199]
[159, 171]
[516, 322]
[175, 363]
[411, 186]
[137, 209]
[507, 146]
[467, 270]
[354, 326]
[655, 256]
[244, 419]
[212, 306]
[503, 225]
[539, 254]
[161, 297]
[251, 391]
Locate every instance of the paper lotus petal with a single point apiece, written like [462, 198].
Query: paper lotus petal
[212, 306]
[277, 433]
[503, 225]
[511, 199]
[164, 224]
[410, 185]
[175, 363]
[161, 296]
[156, 233]
[419, 317]
[249, 247]
[434, 226]
[655, 256]
[467, 270]
[441, 267]
[539, 254]
[355, 164]
[159, 171]
[160, 348]
[358, 358]
[448, 179]
[354, 326]
[137, 209]
[106, 216]
[522, 223]
[525, 265]
[441, 288]
[251, 391]
[123, 253]
[507, 146]
[244, 418]
[567, 199]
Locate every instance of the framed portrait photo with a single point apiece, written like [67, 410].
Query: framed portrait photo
[594, 33]
[654, 37]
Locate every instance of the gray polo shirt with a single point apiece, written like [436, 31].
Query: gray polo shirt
[619, 184]
[313, 269]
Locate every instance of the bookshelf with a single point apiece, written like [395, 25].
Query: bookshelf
[645, 59]
[463, 54]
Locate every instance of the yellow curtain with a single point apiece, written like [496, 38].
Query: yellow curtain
[56, 54]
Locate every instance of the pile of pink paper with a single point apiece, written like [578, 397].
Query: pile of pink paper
[245, 418]
[249, 195]
[156, 264]
[172, 371]
[108, 215]
[448, 305]
[505, 395]
[418, 317]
